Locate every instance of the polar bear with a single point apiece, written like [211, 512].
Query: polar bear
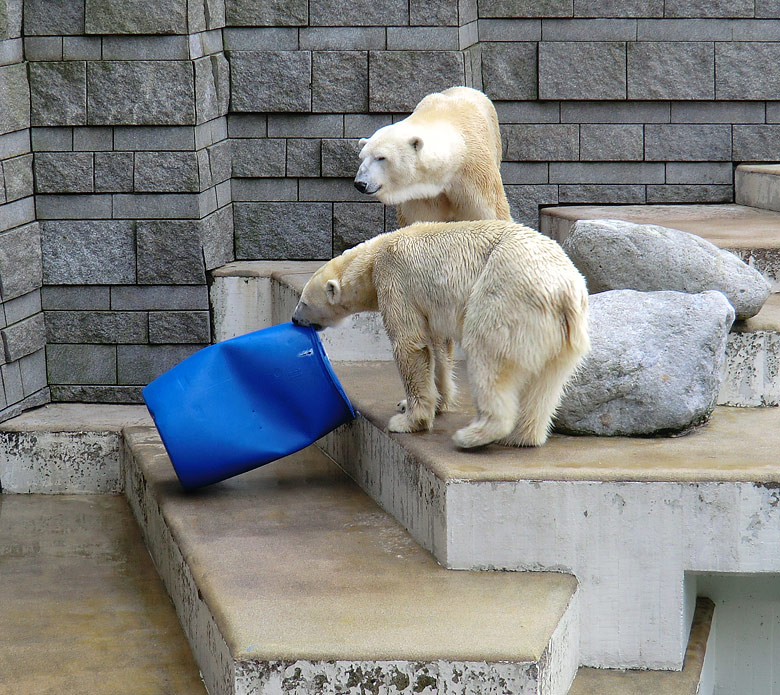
[508, 294]
[441, 163]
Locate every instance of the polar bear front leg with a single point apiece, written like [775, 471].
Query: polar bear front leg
[447, 389]
[416, 370]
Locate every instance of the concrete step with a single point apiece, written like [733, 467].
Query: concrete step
[695, 678]
[758, 186]
[83, 610]
[289, 579]
[751, 233]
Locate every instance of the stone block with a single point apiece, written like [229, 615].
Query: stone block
[525, 201]
[433, 13]
[757, 143]
[305, 126]
[271, 81]
[768, 8]
[17, 213]
[103, 327]
[158, 206]
[717, 112]
[54, 297]
[52, 139]
[147, 298]
[594, 193]
[708, 8]
[618, 8]
[399, 79]
[169, 253]
[151, 138]
[22, 307]
[358, 13]
[757, 30]
[136, 17]
[654, 366]
[58, 93]
[541, 142]
[611, 142]
[261, 39]
[340, 158]
[615, 112]
[166, 172]
[141, 93]
[20, 261]
[294, 231]
[528, 112]
[212, 87]
[342, 38]
[328, 190]
[509, 70]
[685, 30]
[113, 172]
[582, 70]
[33, 372]
[73, 206]
[274, 13]
[37, 48]
[587, 29]
[243, 125]
[2, 188]
[607, 172]
[747, 70]
[24, 337]
[524, 172]
[145, 48]
[14, 144]
[700, 172]
[78, 393]
[526, 8]
[179, 327]
[53, 17]
[216, 237]
[259, 158]
[220, 160]
[415, 38]
[13, 388]
[671, 70]
[224, 193]
[10, 19]
[88, 252]
[18, 177]
[304, 157]
[690, 193]
[356, 222]
[140, 364]
[340, 81]
[687, 143]
[15, 101]
[511, 29]
[81, 364]
[64, 172]
[82, 48]
[364, 125]
[93, 139]
[264, 189]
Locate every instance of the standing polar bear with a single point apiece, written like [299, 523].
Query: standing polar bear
[508, 294]
[441, 163]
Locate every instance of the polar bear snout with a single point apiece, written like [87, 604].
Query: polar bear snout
[299, 318]
[366, 186]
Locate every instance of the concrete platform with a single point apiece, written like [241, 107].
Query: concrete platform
[290, 579]
[751, 233]
[83, 610]
[758, 185]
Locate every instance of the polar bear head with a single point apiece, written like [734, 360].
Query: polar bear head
[404, 161]
[341, 287]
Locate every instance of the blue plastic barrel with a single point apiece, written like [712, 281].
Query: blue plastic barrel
[239, 404]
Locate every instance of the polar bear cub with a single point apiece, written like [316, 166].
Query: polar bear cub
[509, 295]
[441, 163]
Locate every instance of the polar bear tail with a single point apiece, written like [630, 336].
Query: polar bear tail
[575, 322]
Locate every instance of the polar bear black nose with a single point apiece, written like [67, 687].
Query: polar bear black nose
[361, 186]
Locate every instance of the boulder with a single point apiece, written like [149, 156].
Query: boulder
[655, 364]
[614, 255]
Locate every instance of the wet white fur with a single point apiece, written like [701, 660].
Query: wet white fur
[508, 294]
[442, 163]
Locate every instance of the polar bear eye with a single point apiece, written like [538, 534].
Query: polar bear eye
[380, 159]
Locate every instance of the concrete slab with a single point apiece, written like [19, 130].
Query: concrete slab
[303, 577]
[758, 185]
[83, 610]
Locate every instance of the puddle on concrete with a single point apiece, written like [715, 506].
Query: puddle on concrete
[81, 606]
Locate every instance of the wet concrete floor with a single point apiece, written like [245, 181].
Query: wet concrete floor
[82, 609]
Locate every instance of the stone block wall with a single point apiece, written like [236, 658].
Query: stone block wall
[22, 335]
[166, 138]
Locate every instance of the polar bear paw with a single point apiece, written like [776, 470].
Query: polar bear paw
[401, 406]
[403, 423]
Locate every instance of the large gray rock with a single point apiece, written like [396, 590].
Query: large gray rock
[655, 363]
[615, 255]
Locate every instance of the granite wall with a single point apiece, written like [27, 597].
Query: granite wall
[170, 137]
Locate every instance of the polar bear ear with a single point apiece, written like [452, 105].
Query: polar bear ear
[416, 142]
[362, 142]
[333, 291]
